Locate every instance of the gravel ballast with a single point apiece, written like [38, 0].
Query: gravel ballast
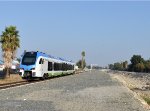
[88, 91]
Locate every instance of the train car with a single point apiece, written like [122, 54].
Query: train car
[40, 65]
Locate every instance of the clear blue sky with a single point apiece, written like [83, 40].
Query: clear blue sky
[107, 31]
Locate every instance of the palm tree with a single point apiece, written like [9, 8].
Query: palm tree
[9, 43]
[83, 60]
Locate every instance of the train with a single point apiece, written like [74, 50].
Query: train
[35, 64]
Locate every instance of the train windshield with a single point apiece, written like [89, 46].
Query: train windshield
[29, 58]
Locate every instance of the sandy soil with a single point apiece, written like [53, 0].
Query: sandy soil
[138, 83]
[12, 78]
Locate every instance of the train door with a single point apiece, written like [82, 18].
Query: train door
[45, 66]
[41, 67]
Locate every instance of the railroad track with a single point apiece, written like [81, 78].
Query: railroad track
[8, 85]
[14, 84]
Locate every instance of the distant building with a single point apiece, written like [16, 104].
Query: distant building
[1, 65]
[15, 65]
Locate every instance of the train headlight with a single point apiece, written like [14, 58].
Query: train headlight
[32, 68]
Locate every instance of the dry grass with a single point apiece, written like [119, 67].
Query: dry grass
[12, 78]
[146, 97]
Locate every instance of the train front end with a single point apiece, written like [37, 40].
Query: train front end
[27, 66]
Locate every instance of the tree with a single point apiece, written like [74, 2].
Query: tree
[137, 63]
[10, 43]
[139, 67]
[79, 64]
[118, 66]
[136, 59]
[89, 66]
[83, 59]
[147, 66]
[111, 66]
[125, 65]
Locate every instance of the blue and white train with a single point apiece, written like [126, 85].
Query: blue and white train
[40, 65]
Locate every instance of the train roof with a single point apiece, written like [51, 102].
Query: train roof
[50, 56]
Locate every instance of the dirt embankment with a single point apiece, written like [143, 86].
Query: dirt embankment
[11, 79]
[139, 83]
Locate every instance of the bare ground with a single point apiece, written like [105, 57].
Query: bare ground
[139, 83]
[12, 78]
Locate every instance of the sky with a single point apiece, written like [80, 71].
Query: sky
[108, 32]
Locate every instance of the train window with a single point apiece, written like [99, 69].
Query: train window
[65, 67]
[69, 67]
[56, 66]
[72, 67]
[60, 66]
[50, 66]
[41, 61]
[28, 60]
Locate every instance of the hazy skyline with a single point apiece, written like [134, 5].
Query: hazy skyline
[107, 31]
